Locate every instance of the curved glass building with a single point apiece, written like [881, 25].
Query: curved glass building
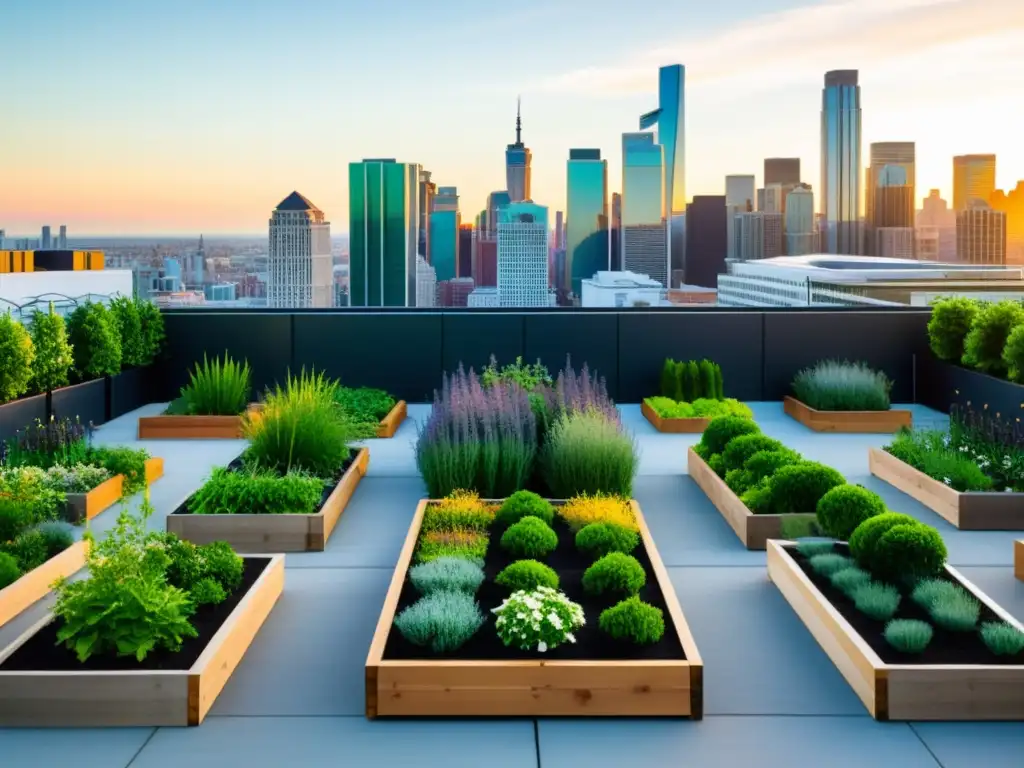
[841, 163]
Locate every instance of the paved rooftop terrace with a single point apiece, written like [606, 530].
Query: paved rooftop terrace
[772, 697]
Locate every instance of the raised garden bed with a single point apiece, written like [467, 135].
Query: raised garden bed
[257, 533]
[956, 678]
[164, 427]
[873, 422]
[753, 530]
[971, 511]
[593, 677]
[1018, 559]
[43, 685]
[389, 424]
[34, 585]
[85, 506]
[673, 426]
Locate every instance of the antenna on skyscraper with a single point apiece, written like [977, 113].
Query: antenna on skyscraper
[519, 122]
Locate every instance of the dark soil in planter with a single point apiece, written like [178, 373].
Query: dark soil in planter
[945, 648]
[591, 643]
[42, 652]
[237, 464]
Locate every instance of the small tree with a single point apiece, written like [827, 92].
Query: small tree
[95, 342]
[152, 330]
[53, 352]
[129, 326]
[16, 357]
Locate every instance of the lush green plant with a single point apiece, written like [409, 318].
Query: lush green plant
[584, 509]
[600, 539]
[58, 536]
[956, 611]
[457, 542]
[849, 579]
[256, 491]
[447, 574]
[720, 431]
[517, 623]
[17, 356]
[828, 564]
[80, 478]
[949, 325]
[760, 467]
[29, 549]
[929, 591]
[527, 575]
[866, 535]
[531, 537]
[669, 389]
[797, 488]
[690, 381]
[121, 460]
[95, 341]
[809, 548]
[9, 570]
[442, 621]
[14, 518]
[845, 507]
[53, 357]
[153, 335]
[26, 499]
[458, 510]
[1013, 354]
[524, 504]
[742, 447]
[42, 445]
[586, 453]
[986, 341]
[929, 451]
[842, 386]
[217, 388]
[616, 573]
[365, 408]
[633, 620]
[208, 573]
[527, 376]
[128, 321]
[1001, 638]
[908, 635]
[877, 601]
[911, 551]
[702, 408]
[993, 443]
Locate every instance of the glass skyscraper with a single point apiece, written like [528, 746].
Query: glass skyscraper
[586, 237]
[644, 245]
[383, 232]
[517, 165]
[841, 163]
[974, 178]
[445, 221]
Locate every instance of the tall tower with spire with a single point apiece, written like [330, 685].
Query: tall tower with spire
[517, 163]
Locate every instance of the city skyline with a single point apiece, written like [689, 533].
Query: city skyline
[183, 143]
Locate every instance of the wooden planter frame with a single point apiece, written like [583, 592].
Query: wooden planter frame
[80, 507]
[151, 698]
[691, 426]
[261, 534]
[753, 530]
[389, 424]
[971, 511]
[1018, 559]
[454, 688]
[864, 422]
[34, 585]
[163, 427]
[901, 691]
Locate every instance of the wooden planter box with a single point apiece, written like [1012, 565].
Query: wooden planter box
[673, 426]
[1018, 559]
[193, 427]
[754, 530]
[901, 691]
[454, 688]
[32, 586]
[972, 511]
[390, 423]
[256, 534]
[85, 506]
[874, 422]
[138, 697]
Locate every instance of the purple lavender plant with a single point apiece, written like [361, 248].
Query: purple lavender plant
[576, 392]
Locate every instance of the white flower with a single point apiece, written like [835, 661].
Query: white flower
[542, 646]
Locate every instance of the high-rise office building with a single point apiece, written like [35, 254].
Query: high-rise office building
[894, 242]
[936, 214]
[774, 200]
[454, 293]
[981, 234]
[926, 243]
[517, 164]
[1012, 204]
[586, 238]
[892, 154]
[426, 283]
[62, 238]
[974, 178]
[670, 117]
[299, 267]
[445, 221]
[523, 255]
[616, 233]
[801, 227]
[558, 241]
[841, 163]
[495, 202]
[706, 240]
[644, 244]
[465, 253]
[383, 232]
[781, 170]
[485, 266]
[739, 193]
[746, 242]
[892, 222]
[774, 232]
[427, 190]
[46, 241]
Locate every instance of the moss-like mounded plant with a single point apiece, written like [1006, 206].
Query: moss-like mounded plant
[949, 325]
[634, 621]
[927, 592]
[759, 467]
[827, 564]
[1001, 638]
[908, 635]
[9, 570]
[986, 341]
[741, 448]
[58, 536]
[600, 539]
[908, 552]
[17, 356]
[848, 580]
[95, 341]
[615, 573]
[531, 537]
[797, 488]
[53, 352]
[810, 547]
[527, 575]
[865, 536]
[125, 312]
[956, 611]
[720, 431]
[442, 621]
[1013, 354]
[877, 601]
[524, 504]
[845, 507]
[153, 335]
[447, 574]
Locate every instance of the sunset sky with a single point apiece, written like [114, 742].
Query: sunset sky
[126, 117]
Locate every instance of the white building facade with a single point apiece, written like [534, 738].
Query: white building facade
[622, 289]
[523, 255]
[426, 283]
[300, 273]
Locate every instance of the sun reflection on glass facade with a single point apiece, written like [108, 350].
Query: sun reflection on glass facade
[586, 239]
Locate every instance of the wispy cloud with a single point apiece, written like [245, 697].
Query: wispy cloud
[802, 42]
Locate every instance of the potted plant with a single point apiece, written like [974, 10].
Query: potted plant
[835, 396]
[691, 394]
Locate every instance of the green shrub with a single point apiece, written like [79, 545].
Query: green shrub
[908, 635]
[527, 376]
[927, 451]
[1001, 638]
[956, 611]
[153, 335]
[616, 573]
[927, 592]
[877, 601]
[845, 507]
[29, 549]
[741, 448]
[121, 460]
[986, 341]
[759, 467]
[586, 452]
[908, 552]
[706, 408]
[670, 389]
[9, 570]
[517, 623]
[758, 499]
[217, 388]
[720, 431]
[849, 579]
[866, 535]
[16, 358]
[633, 620]
[811, 548]
[128, 322]
[365, 404]
[949, 325]
[600, 539]
[53, 357]
[690, 375]
[442, 621]
[257, 492]
[828, 564]
[1013, 354]
[842, 386]
[527, 575]
[797, 488]
[524, 504]
[58, 536]
[447, 574]
[458, 510]
[222, 564]
[208, 573]
[14, 518]
[95, 341]
[531, 537]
